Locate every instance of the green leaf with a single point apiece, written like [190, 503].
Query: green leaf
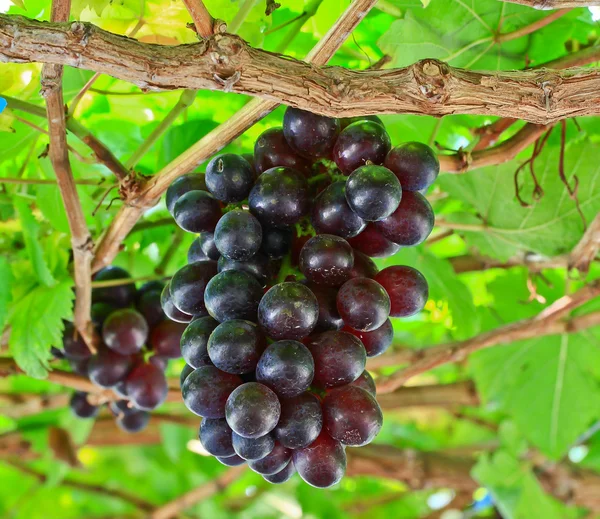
[546, 385]
[30, 234]
[37, 323]
[6, 279]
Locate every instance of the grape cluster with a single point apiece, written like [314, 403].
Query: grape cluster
[283, 300]
[137, 342]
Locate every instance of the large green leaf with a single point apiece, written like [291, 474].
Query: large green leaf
[6, 279]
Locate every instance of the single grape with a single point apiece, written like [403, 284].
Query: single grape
[309, 134]
[407, 289]
[372, 243]
[235, 346]
[279, 197]
[347, 121]
[364, 267]
[215, 436]
[411, 223]
[257, 266]
[253, 448]
[229, 177]
[272, 150]
[276, 243]
[80, 366]
[119, 296]
[206, 390]
[194, 342]
[366, 382]
[231, 461]
[288, 311]
[373, 192]
[159, 361]
[73, 345]
[252, 410]
[57, 353]
[238, 235]
[125, 331]
[197, 211]
[100, 311]
[203, 248]
[331, 213]
[282, 476]
[149, 306]
[170, 310]
[286, 367]
[133, 422]
[250, 159]
[339, 358]
[376, 341]
[323, 463]
[329, 317]
[352, 416]
[81, 407]
[107, 367]
[360, 143]
[326, 259]
[301, 421]
[120, 388]
[149, 286]
[182, 185]
[233, 294]
[147, 386]
[273, 462]
[188, 284]
[363, 304]
[415, 164]
[119, 407]
[165, 339]
[184, 374]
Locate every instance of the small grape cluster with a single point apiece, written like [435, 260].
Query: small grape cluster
[137, 343]
[283, 300]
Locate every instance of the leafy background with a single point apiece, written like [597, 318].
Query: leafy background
[537, 396]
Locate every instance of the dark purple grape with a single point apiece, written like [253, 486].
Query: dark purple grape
[81, 407]
[215, 436]
[373, 192]
[233, 294]
[331, 213]
[149, 306]
[326, 259]
[194, 341]
[188, 284]
[250, 159]
[339, 358]
[238, 235]
[125, 331]
[276, 243]
[184, 374]
[100, 311]
[411, 223]
[288, 311]
[79, 366]
[57, 353]
[119, 296]
[309, 134]
[182, 185]
[170, 310]
[165, 339]
[229, 177]
[147, 386]
[366, 382]
[329, 317]
[347, 121]
[252, 410]
[119, 407]
[407, 289]
[364, 267]
[149, 286]
[107, 367]
[273, 462]
[415, 164]
[301, 421]
[363, 304]
[279, 197]
[323, 463]
[272, 150]
[282, 476]
[203, 248]
[133, 422]
[287, 367]
[73, 345]
[376, 341]
[159, 361]
[235, 346]
[206, 390]
[253, 448]
[257, 266]
[120, 388]
[372, 243]
[352, 416]
[231, 461]
[197, 211]
[360, 143]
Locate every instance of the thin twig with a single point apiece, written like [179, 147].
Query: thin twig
[586, 250]
[532, 27]
[201, 17]
[46, 182]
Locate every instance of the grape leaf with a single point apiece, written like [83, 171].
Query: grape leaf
[36, 322]
[6, 279]
[540, 383]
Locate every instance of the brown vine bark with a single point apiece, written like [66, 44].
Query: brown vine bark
[554, 4]
[227, 63]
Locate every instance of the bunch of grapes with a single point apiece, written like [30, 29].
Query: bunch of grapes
[137, 343]
[283, 300]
